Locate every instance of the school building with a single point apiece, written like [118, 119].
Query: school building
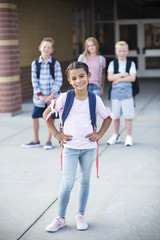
[24, 23]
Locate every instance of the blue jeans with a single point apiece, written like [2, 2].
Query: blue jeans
[94, 88]
[71, 157]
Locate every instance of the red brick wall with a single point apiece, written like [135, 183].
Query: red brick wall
[9, 60]
[9, 23]
[10, 97]
[10, 86]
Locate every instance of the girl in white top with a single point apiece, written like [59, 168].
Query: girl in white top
[79, 141]
[96, 64]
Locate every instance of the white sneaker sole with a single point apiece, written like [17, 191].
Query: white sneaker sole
[114, 143]
[55, 230]
[48, 148]
[82, 229]
[29, 146]
[128, 145]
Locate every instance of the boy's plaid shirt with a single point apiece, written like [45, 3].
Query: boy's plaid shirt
[45, 84]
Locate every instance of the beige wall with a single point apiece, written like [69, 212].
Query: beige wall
[38, 19]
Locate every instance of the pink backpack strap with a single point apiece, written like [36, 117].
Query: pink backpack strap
[62, 152]
[97, 160]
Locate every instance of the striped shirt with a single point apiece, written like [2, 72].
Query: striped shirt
[45, 84]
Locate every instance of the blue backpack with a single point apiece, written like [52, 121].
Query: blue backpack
[69, 103]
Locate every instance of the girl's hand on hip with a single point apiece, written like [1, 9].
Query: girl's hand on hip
[63, 137]
[93, 137]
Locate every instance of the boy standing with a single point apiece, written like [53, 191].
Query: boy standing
[46, 86]
[121, 93]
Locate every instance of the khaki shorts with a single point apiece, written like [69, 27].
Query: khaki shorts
[125, 107]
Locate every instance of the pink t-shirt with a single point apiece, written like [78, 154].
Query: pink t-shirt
[78, 122]
[94, 67]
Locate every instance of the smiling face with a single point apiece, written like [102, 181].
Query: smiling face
[79, 79]
[121, 52]
[46, 49]
[91, 47]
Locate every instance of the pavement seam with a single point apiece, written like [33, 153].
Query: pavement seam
[37, 219]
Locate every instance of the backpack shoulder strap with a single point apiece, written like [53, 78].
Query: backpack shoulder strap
[101, 60]
[116, 65]
[84, 59]
[100, 68]
[128, 65]
[51, 65]
[68, 104]
[38, 66]
[92, 108]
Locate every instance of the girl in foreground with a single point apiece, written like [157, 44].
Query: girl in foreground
[79, 141]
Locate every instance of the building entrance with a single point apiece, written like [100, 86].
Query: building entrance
[143, 37]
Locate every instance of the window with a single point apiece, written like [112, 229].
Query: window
[105, 35]
[141, 9]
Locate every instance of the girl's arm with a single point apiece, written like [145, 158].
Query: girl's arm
[60, 136]
[95, 136]
[50, 123]
[105, 125]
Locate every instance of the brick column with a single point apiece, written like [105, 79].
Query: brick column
[10, 87]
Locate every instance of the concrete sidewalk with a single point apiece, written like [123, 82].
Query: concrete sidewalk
[124, 203]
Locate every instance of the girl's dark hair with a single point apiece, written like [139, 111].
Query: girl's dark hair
[76, 65]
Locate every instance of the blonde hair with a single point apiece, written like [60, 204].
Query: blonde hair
[94, 40]
[121, 43]
[48, 39]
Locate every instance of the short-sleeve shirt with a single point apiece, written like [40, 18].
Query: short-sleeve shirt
[122, 90]
[45, 84]
[78, 122]
[93, 63]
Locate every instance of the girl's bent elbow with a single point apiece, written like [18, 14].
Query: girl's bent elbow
[44, 116]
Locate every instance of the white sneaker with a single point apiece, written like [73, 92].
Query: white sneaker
[128, 141]
[57, 223]
[81, 222]
[48, 146]
[114, 139]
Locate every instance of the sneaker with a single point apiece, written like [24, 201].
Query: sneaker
[57, 223]
[48, 146]
[128, 141]
[81, 222]
[114, 139]
[31, 145]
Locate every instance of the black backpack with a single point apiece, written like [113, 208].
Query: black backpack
[135, 84]
[51, 65]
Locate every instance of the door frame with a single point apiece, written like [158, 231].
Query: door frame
[142, 71]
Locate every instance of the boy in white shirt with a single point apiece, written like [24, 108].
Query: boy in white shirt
[121, 93]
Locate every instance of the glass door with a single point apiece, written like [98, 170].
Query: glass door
[151, 48]
[143, 37]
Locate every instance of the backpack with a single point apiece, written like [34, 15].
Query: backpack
[67, 107]
[69, 103]
[100, 64]
[135, 84]
[51, 66]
